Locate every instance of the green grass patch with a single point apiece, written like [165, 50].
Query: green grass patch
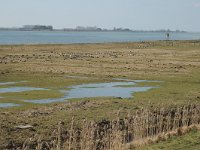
[190, 141]
[178, 90]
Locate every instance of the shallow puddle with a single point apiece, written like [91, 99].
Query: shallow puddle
[19, 89]
[6, 105]
[122, 88]
[112, 89]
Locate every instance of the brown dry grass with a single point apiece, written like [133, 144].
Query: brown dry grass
[122, 59]
[175, 61]
[145, 127]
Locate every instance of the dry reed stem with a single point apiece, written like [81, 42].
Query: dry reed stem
[144, 127]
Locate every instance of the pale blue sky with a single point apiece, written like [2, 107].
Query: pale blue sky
[134, 14]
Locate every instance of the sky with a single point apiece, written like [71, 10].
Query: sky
[133, 14]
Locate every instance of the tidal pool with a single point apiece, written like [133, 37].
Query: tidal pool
[122, 88]
[6, 105]
[14, 89]
[19, 89]
[112, 89]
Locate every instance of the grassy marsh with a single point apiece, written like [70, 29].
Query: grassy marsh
[175, 63]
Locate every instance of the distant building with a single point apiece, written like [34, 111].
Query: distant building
[121, 29]
[36, 28]
[80, 28]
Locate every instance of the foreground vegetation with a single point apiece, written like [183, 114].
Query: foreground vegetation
[145, 127]
[189, 141]
[175, 63]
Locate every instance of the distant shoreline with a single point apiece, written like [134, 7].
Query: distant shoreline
[55, 30]
[82, 29]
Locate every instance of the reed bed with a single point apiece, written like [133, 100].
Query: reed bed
[143, 126]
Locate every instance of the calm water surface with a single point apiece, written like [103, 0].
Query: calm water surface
[120, 89]
[6, 105]
[19, 89]
[112, 89]
[63, 37]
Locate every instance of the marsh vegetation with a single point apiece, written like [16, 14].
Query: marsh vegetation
[175, 63]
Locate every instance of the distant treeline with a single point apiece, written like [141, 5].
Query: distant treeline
[81, 28]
